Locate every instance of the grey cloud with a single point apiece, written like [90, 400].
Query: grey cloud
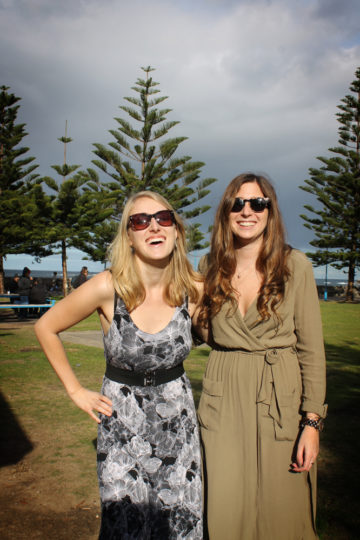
[254, 84]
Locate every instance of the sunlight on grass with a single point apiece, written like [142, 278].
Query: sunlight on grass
[63, 434]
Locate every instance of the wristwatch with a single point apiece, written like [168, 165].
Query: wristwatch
[317, 424]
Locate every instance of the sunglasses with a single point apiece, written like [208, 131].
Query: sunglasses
[257, 205]
[140, 222]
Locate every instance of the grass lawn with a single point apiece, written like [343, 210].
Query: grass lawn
[48, 447]
[339, 470]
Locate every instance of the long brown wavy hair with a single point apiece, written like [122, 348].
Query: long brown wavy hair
[271, 262]
[180, 278]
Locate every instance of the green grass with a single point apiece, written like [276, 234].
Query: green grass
[35, 402]
[338, 516]
[91, 323]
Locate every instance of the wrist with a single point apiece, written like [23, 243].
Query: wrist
[312, 416]
[316, 424]
[73, 390]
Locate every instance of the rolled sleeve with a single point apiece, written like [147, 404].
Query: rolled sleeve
[310, 344]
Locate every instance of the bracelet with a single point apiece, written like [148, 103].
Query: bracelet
[317, 424]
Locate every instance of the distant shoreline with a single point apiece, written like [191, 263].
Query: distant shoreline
[49, 274]
[46, 273]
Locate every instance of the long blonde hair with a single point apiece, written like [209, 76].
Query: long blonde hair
[180, 276]
[271, 262]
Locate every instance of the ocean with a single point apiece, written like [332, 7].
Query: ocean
[332, 282]
[49, 274]
[45, 273]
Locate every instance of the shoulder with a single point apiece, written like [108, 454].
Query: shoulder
[99, 287]
[297, 260]
[204, 263]
[300, 266]
[199, 285]
[103, 280]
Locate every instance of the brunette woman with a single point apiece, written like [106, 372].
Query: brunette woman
[148, 448]
[264, 386]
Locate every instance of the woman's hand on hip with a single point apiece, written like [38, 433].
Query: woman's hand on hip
[90, 401]
[307, 449]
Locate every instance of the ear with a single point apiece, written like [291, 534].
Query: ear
[129, 239]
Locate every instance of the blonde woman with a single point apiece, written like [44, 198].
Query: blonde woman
[148, 448]
[264, 386]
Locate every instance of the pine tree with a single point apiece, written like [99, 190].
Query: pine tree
[23, 204]
[139, 158]
[336, 186]
[75, 210]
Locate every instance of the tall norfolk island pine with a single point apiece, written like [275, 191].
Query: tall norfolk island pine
[336, 185]
[75, 211]
[139, 158]
[23, 204]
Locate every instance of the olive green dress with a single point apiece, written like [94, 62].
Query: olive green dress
[259, 376]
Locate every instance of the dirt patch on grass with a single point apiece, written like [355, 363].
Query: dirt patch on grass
[38, 500]
[22, 519]
[48, 484]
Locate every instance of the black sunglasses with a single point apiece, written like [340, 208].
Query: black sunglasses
[140, 222]
[257, 204]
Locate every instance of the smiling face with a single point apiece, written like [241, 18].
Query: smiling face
[248, 226]
[155, 243]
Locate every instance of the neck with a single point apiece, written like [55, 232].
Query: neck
[153, 274]
[247, 254]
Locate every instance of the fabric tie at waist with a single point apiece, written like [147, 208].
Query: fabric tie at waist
[274, 389]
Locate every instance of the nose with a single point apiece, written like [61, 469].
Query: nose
[246, 211]
[154, 226]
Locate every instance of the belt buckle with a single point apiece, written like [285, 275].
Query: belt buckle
[149, 378]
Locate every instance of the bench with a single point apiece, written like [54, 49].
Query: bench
[9, 305]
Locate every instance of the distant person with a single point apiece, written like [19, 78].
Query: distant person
[80, 279]
[54, 283]
[13, 287]
[38, 295]
[24, 287]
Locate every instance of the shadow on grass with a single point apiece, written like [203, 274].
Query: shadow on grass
[14, 443]
[8, 332]
[338, 515]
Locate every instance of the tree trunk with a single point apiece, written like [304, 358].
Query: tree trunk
[351, 279]
[64, 268]
[2, 281]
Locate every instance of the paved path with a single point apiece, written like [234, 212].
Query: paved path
[93, 338]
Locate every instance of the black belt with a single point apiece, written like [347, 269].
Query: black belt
[143, 378]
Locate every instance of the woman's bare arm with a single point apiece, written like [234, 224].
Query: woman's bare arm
[95, 294]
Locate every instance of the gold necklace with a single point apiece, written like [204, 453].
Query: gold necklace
[240, 273]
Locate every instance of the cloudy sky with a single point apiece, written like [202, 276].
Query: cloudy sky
[254, 83]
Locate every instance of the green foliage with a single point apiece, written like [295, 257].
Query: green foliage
[77, 209]
[336, 186]
[138, 159]
[23, 204]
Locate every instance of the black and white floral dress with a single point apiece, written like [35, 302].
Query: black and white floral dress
[148, 451]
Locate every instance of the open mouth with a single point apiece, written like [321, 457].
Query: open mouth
[156, 241]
